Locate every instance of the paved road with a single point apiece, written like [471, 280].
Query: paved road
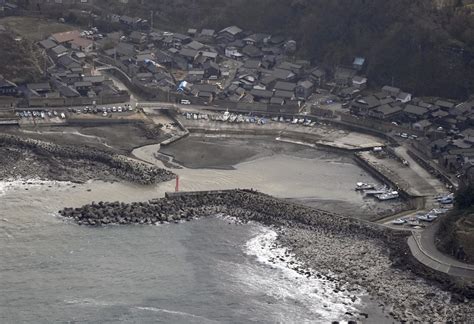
[423, 248]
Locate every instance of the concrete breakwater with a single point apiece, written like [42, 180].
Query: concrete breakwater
[361, 253]
[120, 166]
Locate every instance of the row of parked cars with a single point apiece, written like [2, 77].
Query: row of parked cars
[42, 114]
[102, 110]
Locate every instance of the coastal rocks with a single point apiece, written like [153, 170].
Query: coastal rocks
[350, 252]
[33, 158]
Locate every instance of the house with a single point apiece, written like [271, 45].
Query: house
[65, 37]
[188, 54]
[256, 39]
[414, 112]
[364, 105]
[58, 51]
[252, 51]
[304, 89]
[343, 76]
[318, 76]
[422, 125]
[82, 44]
[385, 112]
[195, 45]
[7, 88]
[229, 34]
[286, 95]
[207, 35]
[285, 86]
[211, 70]
[192, 32]
[83, 87]
[48, 44]
[391, 91]
[358, 63]
[137, 38]
[261, 94]
[359, 82]
[295, 68]
[445, 105]
[252, 64]
[284, 75]
[404, 97]
[233, 53]
[39, 88]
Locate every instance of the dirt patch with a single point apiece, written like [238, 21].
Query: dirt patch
[117, 138]
[198, 151]
[34, 29]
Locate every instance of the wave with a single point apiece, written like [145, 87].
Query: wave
[12, 184]
[287, 280]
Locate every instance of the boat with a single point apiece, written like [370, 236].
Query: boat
[240, 119]
[399, 221]
[232, 118]
[364, 186]
[294, 121]
[388, 196]
[377, 191]
[413, 223]
[282, 120]
[226, 116]
[439, 211]
[427, 218]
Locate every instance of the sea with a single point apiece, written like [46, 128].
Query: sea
[210, 270]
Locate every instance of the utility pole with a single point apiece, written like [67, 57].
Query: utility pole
[151, 19]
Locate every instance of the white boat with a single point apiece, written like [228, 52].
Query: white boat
[226, 116]
[294, 121]
[388, 196]
[427, 218]
[364, 186]
[413, 223]
[439, 211]
[232, 118]
[282, 120]
[240, 119]
[399, 221]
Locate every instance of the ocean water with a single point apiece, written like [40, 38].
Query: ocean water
[207, 271]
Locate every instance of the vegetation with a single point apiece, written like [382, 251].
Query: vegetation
[456, 231]
[25, 62]
[412, 44]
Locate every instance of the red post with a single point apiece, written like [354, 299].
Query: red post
[177, 184]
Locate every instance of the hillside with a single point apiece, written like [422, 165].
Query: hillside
[22, 60]
[425, 46]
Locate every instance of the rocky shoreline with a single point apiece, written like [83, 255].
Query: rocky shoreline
[360, 254]
[28, 158]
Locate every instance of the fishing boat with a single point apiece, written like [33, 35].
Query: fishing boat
[399, 221]
[364, 186]
[226, 116]
[388, 196]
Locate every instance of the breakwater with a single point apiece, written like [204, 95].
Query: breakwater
[247, 205]
[360, 253]
[120, 166]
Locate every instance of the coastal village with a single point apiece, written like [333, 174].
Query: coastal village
[116, 94]
[242, 71]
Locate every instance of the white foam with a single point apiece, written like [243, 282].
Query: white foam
[14, 184]
[284, 282]
[167, 311]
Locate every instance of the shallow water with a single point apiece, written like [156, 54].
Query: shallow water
[204, 271]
